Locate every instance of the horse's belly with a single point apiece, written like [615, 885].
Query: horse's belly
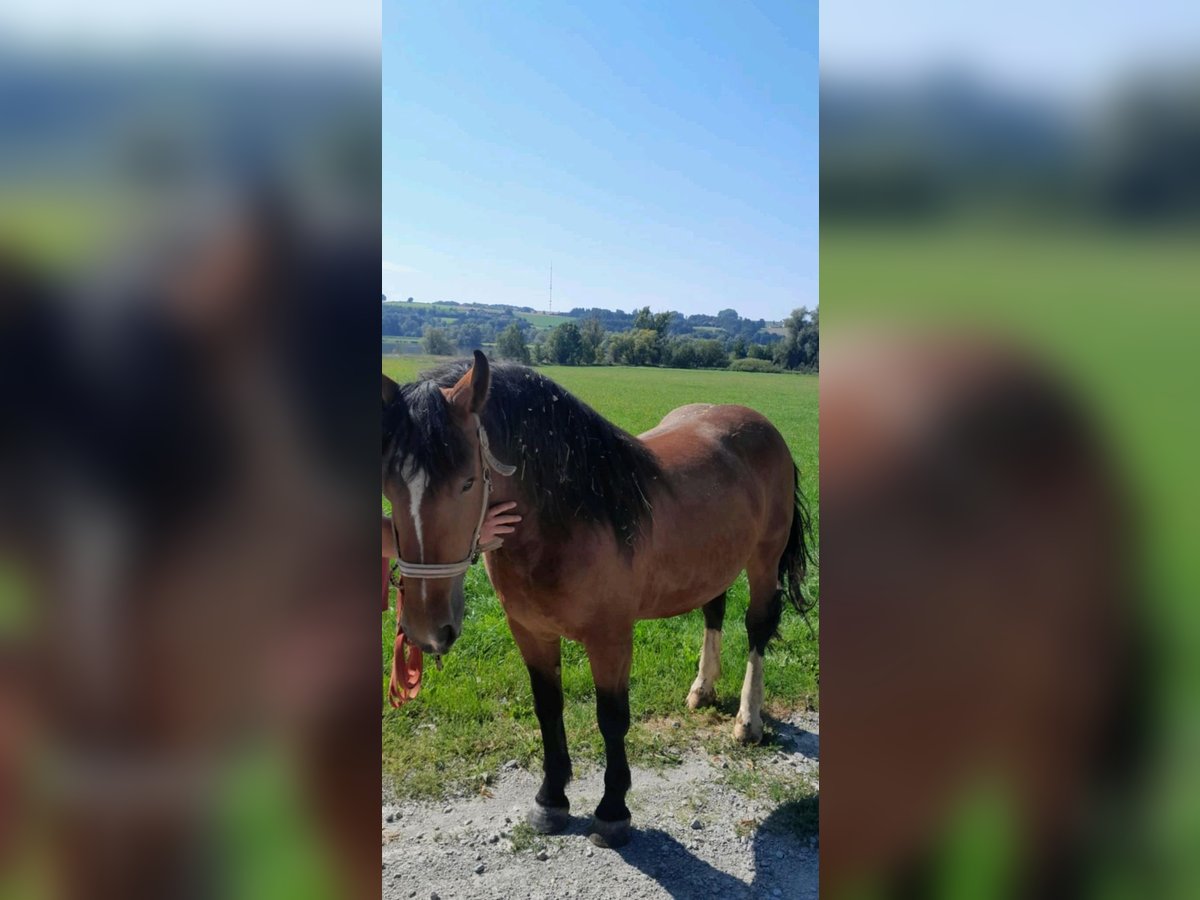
[689, 588]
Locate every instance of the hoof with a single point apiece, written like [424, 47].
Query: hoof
[548, 819]
[696, 699]
[609, 835]
[747, 734]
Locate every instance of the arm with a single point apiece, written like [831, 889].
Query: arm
[389, 544]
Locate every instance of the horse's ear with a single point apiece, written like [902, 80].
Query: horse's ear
[390, 390]
[470, 393]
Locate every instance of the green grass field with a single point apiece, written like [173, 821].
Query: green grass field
[544, 320]
[478, 712]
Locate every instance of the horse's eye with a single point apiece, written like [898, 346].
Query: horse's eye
[467, 486]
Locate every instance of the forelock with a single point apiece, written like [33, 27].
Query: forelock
[420, 436]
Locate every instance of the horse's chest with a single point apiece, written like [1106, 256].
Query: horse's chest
[546, 597]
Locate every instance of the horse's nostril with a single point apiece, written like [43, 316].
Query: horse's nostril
[449, 635]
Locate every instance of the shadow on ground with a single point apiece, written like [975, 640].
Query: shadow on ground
[791, 829]
[676, 870]
[684, 876]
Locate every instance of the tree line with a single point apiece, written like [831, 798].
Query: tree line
[652, 339]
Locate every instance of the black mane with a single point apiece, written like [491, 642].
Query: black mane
[573, 465]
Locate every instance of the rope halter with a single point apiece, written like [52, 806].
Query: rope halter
[488, 463]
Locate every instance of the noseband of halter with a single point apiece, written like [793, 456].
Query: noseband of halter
[488, 463]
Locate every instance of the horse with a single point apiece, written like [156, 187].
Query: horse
[616, 529]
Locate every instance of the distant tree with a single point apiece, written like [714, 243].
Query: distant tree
[470, 337]
[759, 351]
[437, 342]
[409, 300]
[511, 344]
[644, 319]
[683, 354]
[739, 347]
[618, 349]
[647, 347]
[711, 355]
[801, 348]
[592, 334]
[564, 346]
[650, 336]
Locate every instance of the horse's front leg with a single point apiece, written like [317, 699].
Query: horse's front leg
[610, 660]
[543, 657]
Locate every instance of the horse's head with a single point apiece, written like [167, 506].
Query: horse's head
[433, 474]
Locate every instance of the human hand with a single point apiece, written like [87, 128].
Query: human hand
[499, 521]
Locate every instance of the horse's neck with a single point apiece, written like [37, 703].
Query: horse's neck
[528, 533]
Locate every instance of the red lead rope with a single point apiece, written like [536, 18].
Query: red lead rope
[406, 659]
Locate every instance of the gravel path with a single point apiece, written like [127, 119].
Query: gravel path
[695, 836]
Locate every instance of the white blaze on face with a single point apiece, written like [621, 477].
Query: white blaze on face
[417, 481]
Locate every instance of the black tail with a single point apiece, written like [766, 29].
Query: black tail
[793, 565]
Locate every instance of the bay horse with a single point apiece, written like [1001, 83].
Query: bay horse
[616, 529]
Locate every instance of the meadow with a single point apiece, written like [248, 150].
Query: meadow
[477, 713]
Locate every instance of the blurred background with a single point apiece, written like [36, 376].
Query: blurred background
[1010, 278]
[189, 246]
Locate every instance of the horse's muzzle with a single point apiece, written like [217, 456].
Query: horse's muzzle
[444, 640]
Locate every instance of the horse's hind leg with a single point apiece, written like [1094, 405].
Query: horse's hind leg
[543, 657]
[704, 688]
[762, 621]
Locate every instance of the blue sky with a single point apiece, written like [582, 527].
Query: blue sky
[663, 157]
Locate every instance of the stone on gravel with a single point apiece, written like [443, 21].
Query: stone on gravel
[543, 855]
[697, 824]
[479, 869]
[448, 810]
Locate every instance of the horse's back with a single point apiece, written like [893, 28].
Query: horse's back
[676, 417]
[711, 434]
